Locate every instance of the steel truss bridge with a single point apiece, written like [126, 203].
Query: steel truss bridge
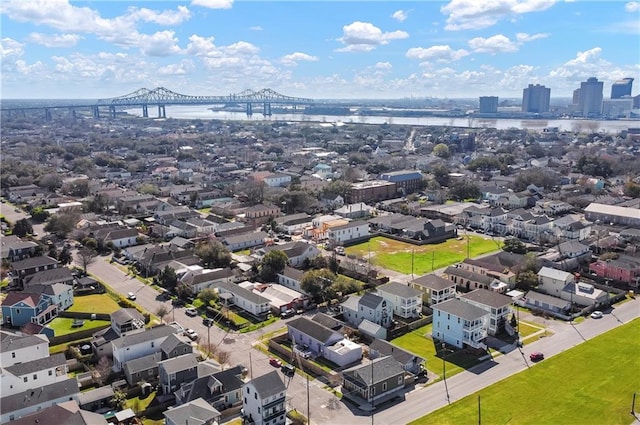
[161, 97]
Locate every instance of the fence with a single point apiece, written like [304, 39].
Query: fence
[84, 316]
[74, 336]
[306, 365]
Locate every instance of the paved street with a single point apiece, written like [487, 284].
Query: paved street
[419, 402]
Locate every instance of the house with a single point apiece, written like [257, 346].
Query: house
[460, 324]
[296, 251]
[369, 307]
[282, 298]
[374, 383]
[62, 413]
[200, 279]
[176, 371]
[625, 269]
[142, 369]
[119, 237]
[196, 411]
[23, 268]
[354, 211]
[277, 180]
[613, 214]
[136, 345]
[407, 181]
[22, 348]
[20, 308]
[409, 361]
[264, 400]
[123, 322]
[221, 389]
[175, 345]
[570, 227]
[331, 201]
[245, 240]
[293, 223]
[60, 275]
[563, 285]
[497, 305]
[502, 266]
[247, 300]
[34, 399]
[321, 226]
[59, 294]
[259, 214]
[552, 281]
[434, 288]
[291, 278]
[15, 249]
[406, 301]
[24, 376]
[537, 300]
[97, 399]
[468, 280]
[348, 233]
[343, 352]
[313, 338]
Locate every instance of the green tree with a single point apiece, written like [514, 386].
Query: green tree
[22, 228]
[526, 279]
[64, 257]
[119, 399]
[514, 245]
[632, 189]
[441, 150]
[464, 189]
[168, 278]
[213, 254]
[272, 264]
[39, 215]
[208, 295]
[317, 283]
[61, 224]
[441, 174]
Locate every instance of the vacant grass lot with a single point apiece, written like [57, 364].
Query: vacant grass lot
[592, 383]
[62, 325]
[96, 303]
[395, 255]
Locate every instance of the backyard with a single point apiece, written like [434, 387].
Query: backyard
[589, 384]
[97, 303]
[64, 326]
[407, 258]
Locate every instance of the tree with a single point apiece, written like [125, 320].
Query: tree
[22, 228]
[102, 371]
[223, 357]
[441, 150]
[317, 283]
[213, 254]
[272, 264]
[64, 257]
[464, 189]
[39, 214]
[119, 399]
[87, 256]
[61, 224]
[441, 175]
[632, 189]
[514, 245]
[162, 311]
[208, 295]
[168, 278]
[526, 279]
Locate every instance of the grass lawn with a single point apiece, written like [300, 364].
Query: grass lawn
[138, 404]
[62, 325]
[418, 343]
[395, 255]
[592, 383]
[243, 252]
[527, 329]
[96, 303]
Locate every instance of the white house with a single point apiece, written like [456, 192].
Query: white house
[552, 281]
[369, 307]
[197, 412]
[35, 373]
[277, 180]
[348, 232]
[134, 346]
[296, 251]
[318, 340]
[434, 289]
[22, 348]
[497, 305]
[343, 352]
[37, 398]
[245, 299]
[291, 278]
[406, 300]
[245, 240]
[264, 400]
[200, 279]
[460, 324]
[293, 223]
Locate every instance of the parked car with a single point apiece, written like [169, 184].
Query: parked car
[596, 314]
[536, 356]
[287, 313]
[275, 362]
[131, 296]
[191, 311]
[207, 321]
[193, 335]
[288, 369]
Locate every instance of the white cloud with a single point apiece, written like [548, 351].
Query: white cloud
[182, 68]
[585, 57]
[524, 37]
[632, 6]
[10, 47]
[166, 17]
[54, 40]
[256, 28]
[200, 46]
[294, 58]
[494, 44]
[400, 15]
[364, 36]
[476, 14]
[162, 43]
[443, 53]
[241, 48]
[384, 66]
[25, 69]
[213, 4]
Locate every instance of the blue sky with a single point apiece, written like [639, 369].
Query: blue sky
[323, 49]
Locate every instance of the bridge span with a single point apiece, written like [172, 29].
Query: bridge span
[161, 97]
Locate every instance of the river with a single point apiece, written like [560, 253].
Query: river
[576, 125]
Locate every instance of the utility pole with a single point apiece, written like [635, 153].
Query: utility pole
[412, 255]
[444, 373]
[479, 412]
[371, 391]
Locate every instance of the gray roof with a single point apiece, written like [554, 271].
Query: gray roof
[148, 335]
[9, 341]
[173, 341]
[142, 363]
[385, 348]
[367, 327]
[194, 412]
[66, 413]
[39, 395]
[460, 309]
[96, 394]
[469, 275]
[180, 363]
[399, 289]
[488, 298]
[292, 273]
[350, 225]
[50, 362]
[268, 385]
[327, 321]
[433, 282]
[352, 302]
[547, 299]
[312, 328]
[245, 237]
[370, 300]
[242, 292]
[229, 379]
[61, 274]
[382, 369]
[32, 262]
[126, 315]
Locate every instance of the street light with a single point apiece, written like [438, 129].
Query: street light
[444, 372]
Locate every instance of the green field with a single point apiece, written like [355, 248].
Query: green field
[592, 383]
[97, 303]
[395, 255]
[62, 325]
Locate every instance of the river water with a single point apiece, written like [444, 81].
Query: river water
[201, 112]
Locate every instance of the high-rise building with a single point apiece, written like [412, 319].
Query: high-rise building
[488, 104]
[576, 97]
[536, 99]
[590, 97]
[621, 88]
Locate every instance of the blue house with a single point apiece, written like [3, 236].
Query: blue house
[21, 308]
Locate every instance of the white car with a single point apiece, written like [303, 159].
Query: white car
[131, 296]
[193, 335]
[596, 315]
[191, 311]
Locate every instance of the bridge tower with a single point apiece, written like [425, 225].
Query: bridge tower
[249, 109]
[266, 109]
[112, 112]
[145, 111]
[162, 113]
[96, 112]
[47, 114]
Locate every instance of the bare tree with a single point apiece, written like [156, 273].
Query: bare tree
[87, 256]
[223, 357]
[162, 311]
[102, 370]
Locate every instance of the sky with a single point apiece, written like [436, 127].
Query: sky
[315, 49]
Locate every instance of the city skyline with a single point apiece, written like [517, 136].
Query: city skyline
[322, 50]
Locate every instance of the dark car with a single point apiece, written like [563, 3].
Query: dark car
[288, 369]
[536, 357]
[207, 321]
[287, 313]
